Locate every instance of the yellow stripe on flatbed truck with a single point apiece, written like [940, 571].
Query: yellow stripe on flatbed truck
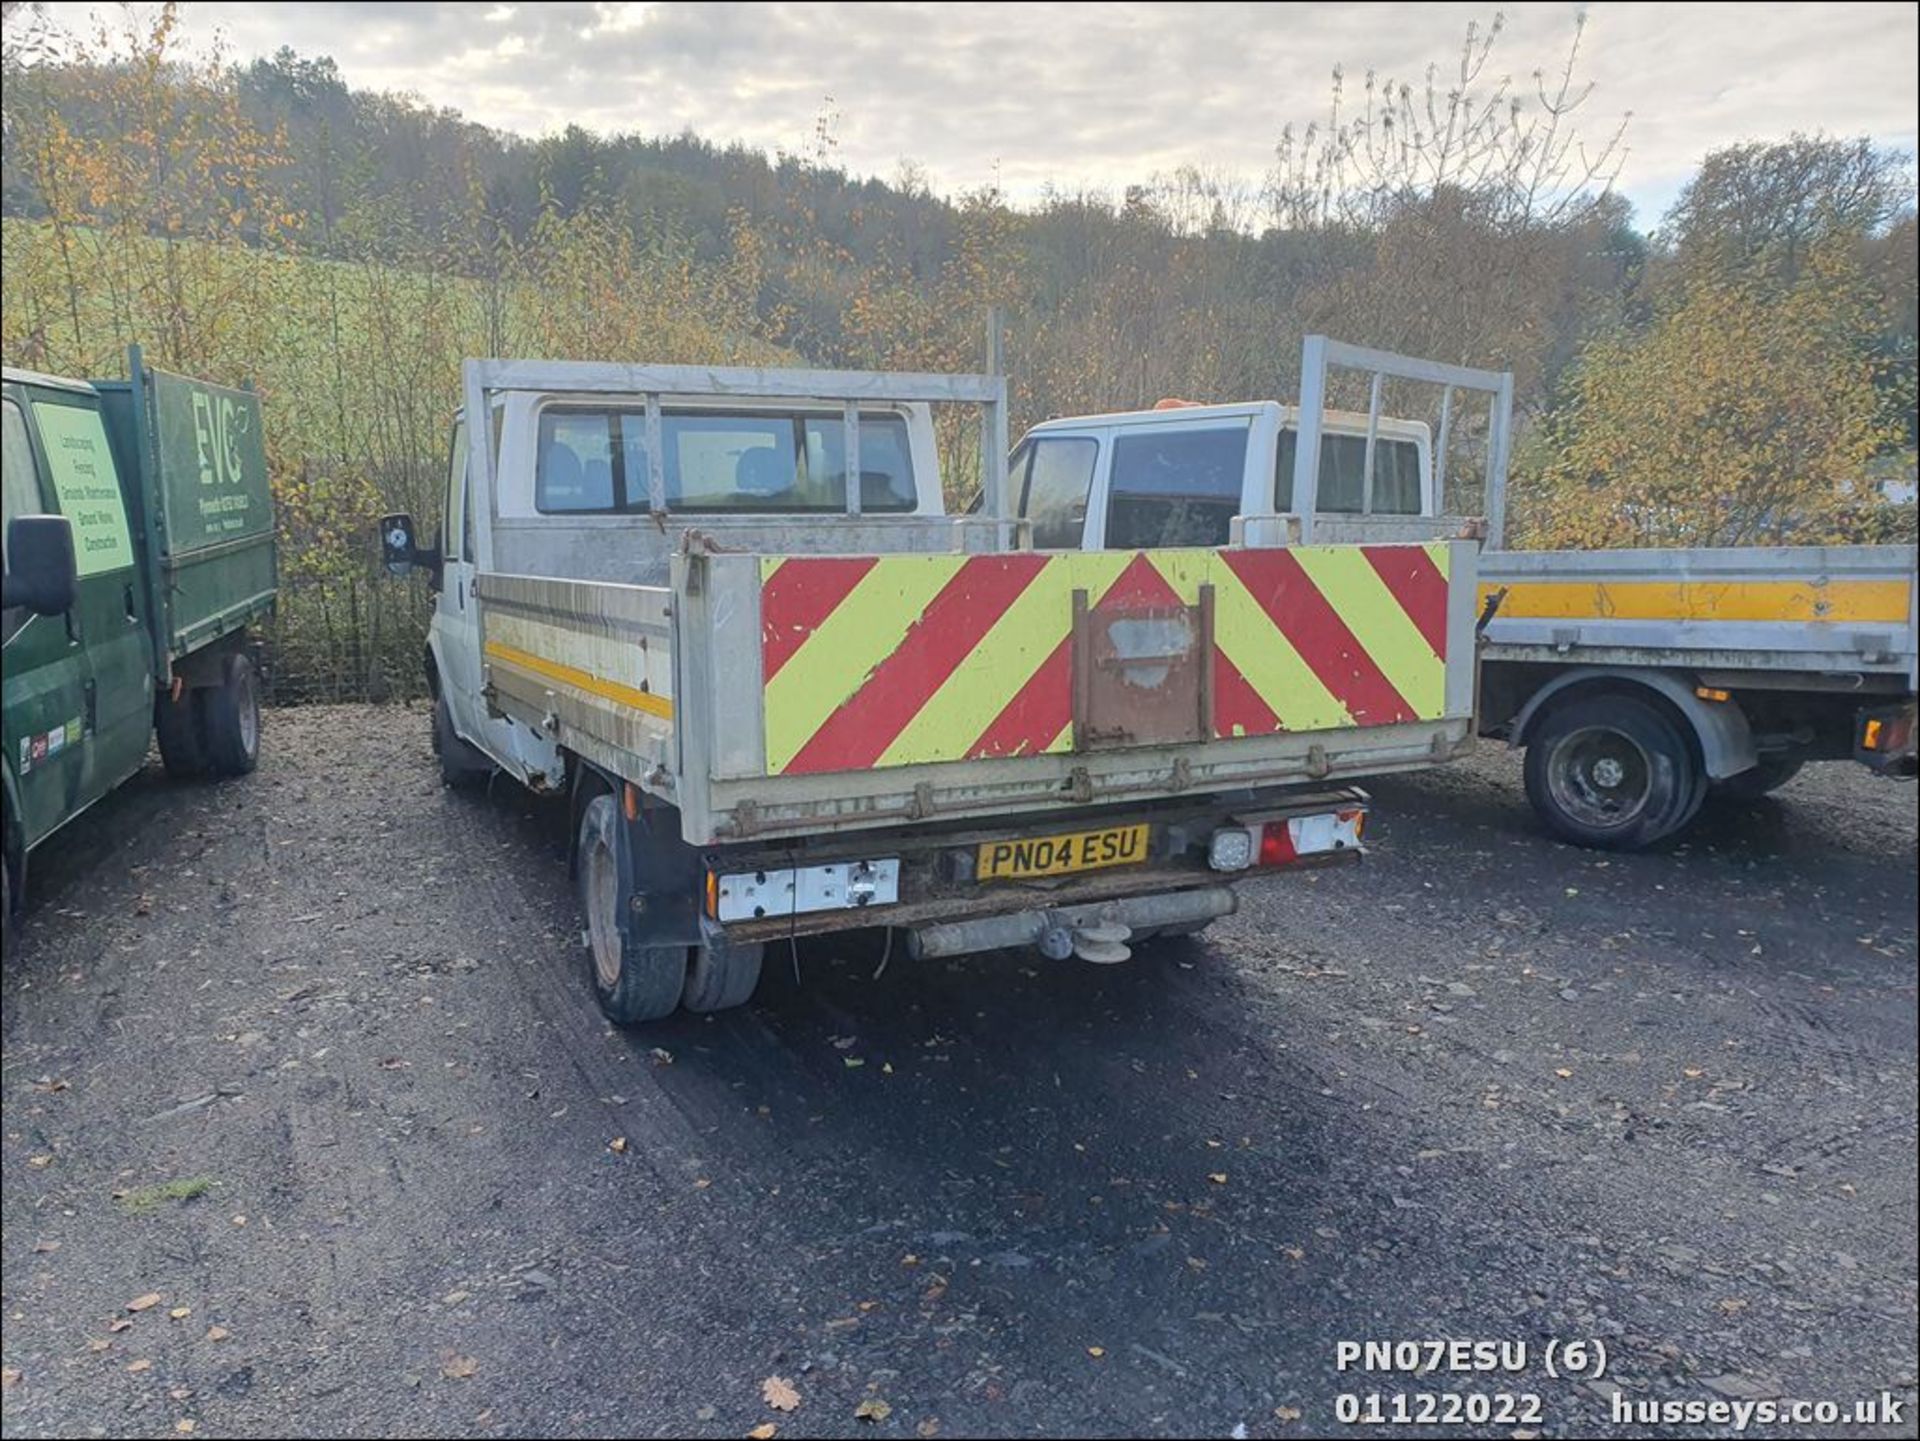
[1882, 601]
[626, 695]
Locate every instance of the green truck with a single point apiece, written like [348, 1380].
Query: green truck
[138, 551]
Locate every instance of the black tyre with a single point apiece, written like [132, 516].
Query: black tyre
[1768, 776]
[633, 984]
[179, 726]
[720, 977]
[461, 765]
[230, 718]
[1613, 772]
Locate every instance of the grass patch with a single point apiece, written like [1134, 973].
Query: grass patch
[142, 1199]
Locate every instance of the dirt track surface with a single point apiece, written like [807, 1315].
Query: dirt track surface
[1483, 1086]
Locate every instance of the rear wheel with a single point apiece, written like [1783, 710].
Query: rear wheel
[177, 723]
[632, 983]
[1767, 776]
[721, 976]
[1613, 772]
[230, 718]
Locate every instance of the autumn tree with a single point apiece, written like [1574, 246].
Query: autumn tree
[1740, 416]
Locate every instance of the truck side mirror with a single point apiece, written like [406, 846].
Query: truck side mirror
[42, 574]
[400, 549]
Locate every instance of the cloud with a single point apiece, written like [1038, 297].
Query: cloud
[1031, 94]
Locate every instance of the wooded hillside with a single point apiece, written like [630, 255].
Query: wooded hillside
[1741, 371]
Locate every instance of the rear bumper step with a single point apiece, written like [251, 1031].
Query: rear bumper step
[1031, 928]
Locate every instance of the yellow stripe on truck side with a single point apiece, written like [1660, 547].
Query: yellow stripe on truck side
[1843, 601]
[626, 695]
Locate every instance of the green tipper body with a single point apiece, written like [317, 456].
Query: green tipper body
[203, 503]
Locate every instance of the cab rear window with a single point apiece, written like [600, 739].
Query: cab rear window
[1175, 487]
[594, 461]
[1343, 469]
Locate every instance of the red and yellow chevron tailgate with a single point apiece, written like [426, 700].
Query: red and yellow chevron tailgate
[903, 659]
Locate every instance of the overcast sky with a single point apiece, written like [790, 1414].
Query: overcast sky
[1096, 95]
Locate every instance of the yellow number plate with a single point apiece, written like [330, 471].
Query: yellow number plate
[1057, 855]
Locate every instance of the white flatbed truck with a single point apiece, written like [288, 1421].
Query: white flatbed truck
[779, 703]
[1635, 679]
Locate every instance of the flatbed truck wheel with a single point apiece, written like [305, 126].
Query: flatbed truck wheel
[633, 983]
[230, 718]
[461, 765]
[1613, 772]
[721, 977]
[180, 729]
[1768, 776]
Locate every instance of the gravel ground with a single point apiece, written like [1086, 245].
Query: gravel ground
[1483, 1086]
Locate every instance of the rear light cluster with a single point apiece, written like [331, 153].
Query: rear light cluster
[1887, 734]
[1283, 841]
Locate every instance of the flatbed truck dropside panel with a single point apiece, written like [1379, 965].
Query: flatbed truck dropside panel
[1832, 609]
[766, 695]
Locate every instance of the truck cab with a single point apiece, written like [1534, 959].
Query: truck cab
[78, 657]
[1179, 473]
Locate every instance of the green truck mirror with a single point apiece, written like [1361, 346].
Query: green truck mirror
[41, 572]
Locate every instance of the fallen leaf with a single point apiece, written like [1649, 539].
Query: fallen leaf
[142, 1303]
[1562, 1072]
[1219, 1178]
[46, 1248]
[1096, 1351]
[909, 1259]
[852, 1062]
[779, 1393]
[618, 1145]
[98, 1344]
[702, 1184]
[764, 1431]
[929, 1427]
[184, 1425]
[218, 1333]
[40, 1162]
[180, 1313]
[138, 1366]
[934, 1292]
[661, 1056]
[872, 1409]
[119, 1323]
[9, 1378]
[460, 1368]
[1287, 1413]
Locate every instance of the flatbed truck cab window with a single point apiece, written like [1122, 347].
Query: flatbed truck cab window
[1176, 487]
[593, 461]
[1052, 475]
[19, 484]
[1343, 469]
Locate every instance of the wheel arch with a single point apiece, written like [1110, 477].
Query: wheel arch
[1721, 734]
